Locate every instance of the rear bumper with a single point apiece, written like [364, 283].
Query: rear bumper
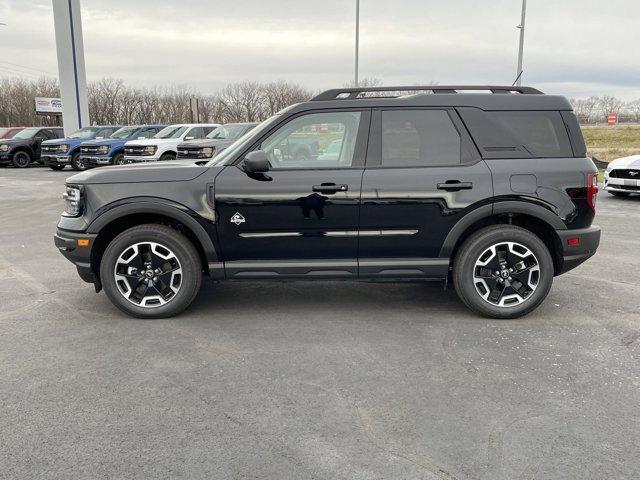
[67, 243]
[572, 256]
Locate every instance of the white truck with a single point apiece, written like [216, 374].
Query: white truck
[164, 145]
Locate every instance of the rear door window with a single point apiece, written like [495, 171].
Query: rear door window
[419, 138]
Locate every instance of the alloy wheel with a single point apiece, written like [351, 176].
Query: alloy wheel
[148, 274]
[506, 274]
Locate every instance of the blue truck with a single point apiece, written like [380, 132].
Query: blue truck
[58, 153]
[110, 151]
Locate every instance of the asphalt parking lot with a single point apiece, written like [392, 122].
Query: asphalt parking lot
[313, 380]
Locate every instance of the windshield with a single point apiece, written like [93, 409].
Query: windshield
[27, 133]
[226, 132]
[172, 131]
[244, 140]
[124, 132]
[88, 132]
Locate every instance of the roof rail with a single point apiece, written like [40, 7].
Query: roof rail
[352, 93]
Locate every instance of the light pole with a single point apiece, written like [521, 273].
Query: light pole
[521, 46]
[357, 40]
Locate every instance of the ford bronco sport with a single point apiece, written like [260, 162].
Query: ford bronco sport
[492, 191]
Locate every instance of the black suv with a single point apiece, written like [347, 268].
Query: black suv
[24, 147]
[490, 190]
[214, 143]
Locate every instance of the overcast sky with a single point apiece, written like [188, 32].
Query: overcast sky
[572, 47]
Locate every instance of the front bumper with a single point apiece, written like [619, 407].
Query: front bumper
[67, 242]
[574, 255]
[96, 160]
[140, 158]
[55, 159]
[625, 185]
[5, 158]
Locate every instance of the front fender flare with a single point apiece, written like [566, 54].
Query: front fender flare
[167, 208]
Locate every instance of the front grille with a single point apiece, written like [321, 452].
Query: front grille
[91, 149]
[189, 152]
[134, 150]
[633, 174]
[50, 148]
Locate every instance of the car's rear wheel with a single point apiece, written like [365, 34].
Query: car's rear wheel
[56, 167]
[620, 194]
[503, 271]
[77, 163]
[151, 271]
[21, 159]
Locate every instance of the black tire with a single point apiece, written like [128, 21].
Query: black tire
[118, 159]
[620, 194]
[167, 156]
[57, 168]
[173, 241]
[21, 159]
[470, 252]
[77, 164]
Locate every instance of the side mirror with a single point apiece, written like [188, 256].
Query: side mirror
[256, 162]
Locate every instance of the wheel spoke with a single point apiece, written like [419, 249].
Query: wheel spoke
[496, 292]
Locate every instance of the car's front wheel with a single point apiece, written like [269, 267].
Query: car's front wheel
[77, 163]
[21, 159]
[503, 271]
[118, 159]
[57, 168]
[151, 271]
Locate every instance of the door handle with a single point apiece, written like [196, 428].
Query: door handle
[454, 185]
[330, 188]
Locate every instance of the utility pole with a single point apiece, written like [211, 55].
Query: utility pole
[357, 39]
[521, 47]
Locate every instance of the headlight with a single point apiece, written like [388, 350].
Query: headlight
[72, 201]
[63, 148]
[102, 150]
[207, 152]
[609, 168]
[4, 148]
[150, 150]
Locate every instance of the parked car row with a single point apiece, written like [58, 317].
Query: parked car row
[98, 146]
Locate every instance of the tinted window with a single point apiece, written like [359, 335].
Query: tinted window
[308, 141]
[419, 138]
[542, 134]
[195, 132]
[148, 132]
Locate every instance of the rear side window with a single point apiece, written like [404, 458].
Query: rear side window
[419, 138]
[518, 134]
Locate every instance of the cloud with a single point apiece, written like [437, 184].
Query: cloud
[573, 47]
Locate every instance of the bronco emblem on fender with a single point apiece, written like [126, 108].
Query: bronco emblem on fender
[237, 218]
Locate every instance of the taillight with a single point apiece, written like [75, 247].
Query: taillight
[592, 190]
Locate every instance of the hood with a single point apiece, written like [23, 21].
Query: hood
[152, 141]
[16, 141]
[206, 142]
[626, 162]
[59, 141]
[178, 171]
[102, 141]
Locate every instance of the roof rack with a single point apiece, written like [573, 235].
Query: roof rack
[354, 93]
